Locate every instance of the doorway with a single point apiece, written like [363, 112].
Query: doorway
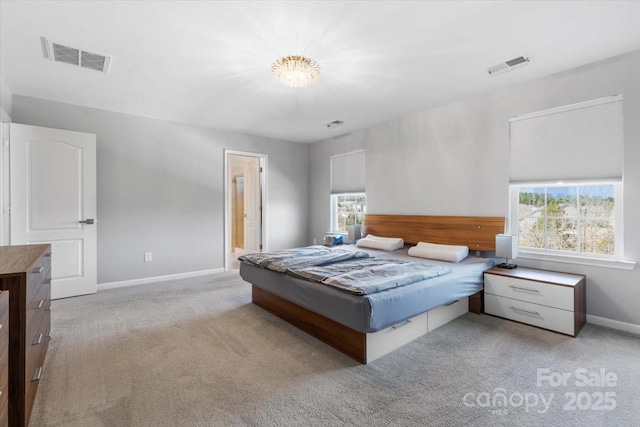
[244, 205]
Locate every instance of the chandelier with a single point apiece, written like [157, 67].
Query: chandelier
[296, 71]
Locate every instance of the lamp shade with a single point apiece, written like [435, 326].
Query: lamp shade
[506, 246]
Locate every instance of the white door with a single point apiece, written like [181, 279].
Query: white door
[252, 206]
[53, 200]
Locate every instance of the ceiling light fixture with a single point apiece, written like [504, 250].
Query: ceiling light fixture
[296, 71]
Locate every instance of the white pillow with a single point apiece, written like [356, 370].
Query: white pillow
[448, 253]
[382, 243]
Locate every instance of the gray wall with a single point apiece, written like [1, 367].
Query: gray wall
[161, 188]
[454, 160]
[6, 105]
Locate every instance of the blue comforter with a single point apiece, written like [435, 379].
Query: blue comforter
[369, 275]
[302, 257]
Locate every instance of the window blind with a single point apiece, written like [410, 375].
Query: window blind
[348, 173]
[580, 142]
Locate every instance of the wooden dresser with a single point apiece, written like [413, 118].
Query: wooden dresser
[4, 358]
[25, 271]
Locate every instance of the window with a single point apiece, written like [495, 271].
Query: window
[348, 199]
[577, 219]
[566, 179]
[347, 209]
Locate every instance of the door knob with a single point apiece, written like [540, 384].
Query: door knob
[87, 221]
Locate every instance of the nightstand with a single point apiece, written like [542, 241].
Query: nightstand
[546, 299]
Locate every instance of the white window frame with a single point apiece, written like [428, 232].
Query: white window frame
[334, 210]
[615, 261]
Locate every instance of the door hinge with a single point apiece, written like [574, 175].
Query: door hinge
[260, 168]
[7, 210]
[5, 143]
[260, 246]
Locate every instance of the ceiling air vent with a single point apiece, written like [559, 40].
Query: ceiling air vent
[334, 124]
[75, 56]
[509, 65]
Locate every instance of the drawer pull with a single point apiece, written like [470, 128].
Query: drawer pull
[400, 325]
[37, 374]
[48, 255]
[535, 313]
[39, 340]
[524, 289]
[40, 303]
[37, 270]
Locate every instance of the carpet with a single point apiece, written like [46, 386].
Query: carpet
[196, 352]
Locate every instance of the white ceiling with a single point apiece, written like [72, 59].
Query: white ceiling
[208, 63]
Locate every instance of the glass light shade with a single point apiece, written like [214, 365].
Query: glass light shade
[296, 71]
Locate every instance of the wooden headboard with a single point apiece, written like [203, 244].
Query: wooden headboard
[476, 232]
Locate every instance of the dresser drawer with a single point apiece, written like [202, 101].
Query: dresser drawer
[4, 304]
[38, 273]
[530, 291]
[4, 416]
[32, 379]
[42, 331]
[4, 378]
[36, 346]
[4, 322]
[40, 304]
[542, 316]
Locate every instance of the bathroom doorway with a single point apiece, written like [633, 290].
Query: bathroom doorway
[244, 205]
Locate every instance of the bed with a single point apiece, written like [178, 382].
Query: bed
[366, 327]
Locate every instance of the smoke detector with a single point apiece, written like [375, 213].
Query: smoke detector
[334, 124]
[509, 65]
[60, 52]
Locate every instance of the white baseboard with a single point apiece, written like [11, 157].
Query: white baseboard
[144, 281]
[614, 324]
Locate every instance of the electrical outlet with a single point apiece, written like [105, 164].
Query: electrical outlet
[148, 257]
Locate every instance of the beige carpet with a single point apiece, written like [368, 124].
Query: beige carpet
[197, 353]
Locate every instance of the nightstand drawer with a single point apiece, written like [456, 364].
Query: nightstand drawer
[542, 316]
[530, 291]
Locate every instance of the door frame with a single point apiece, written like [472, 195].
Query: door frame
[227, 200]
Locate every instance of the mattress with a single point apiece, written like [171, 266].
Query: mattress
[373, 312]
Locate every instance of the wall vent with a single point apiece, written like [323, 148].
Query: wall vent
[334, 124]
[60, 52]
[509, 65]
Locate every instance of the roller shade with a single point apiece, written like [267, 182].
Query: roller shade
[580, 142]
[348, 173]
